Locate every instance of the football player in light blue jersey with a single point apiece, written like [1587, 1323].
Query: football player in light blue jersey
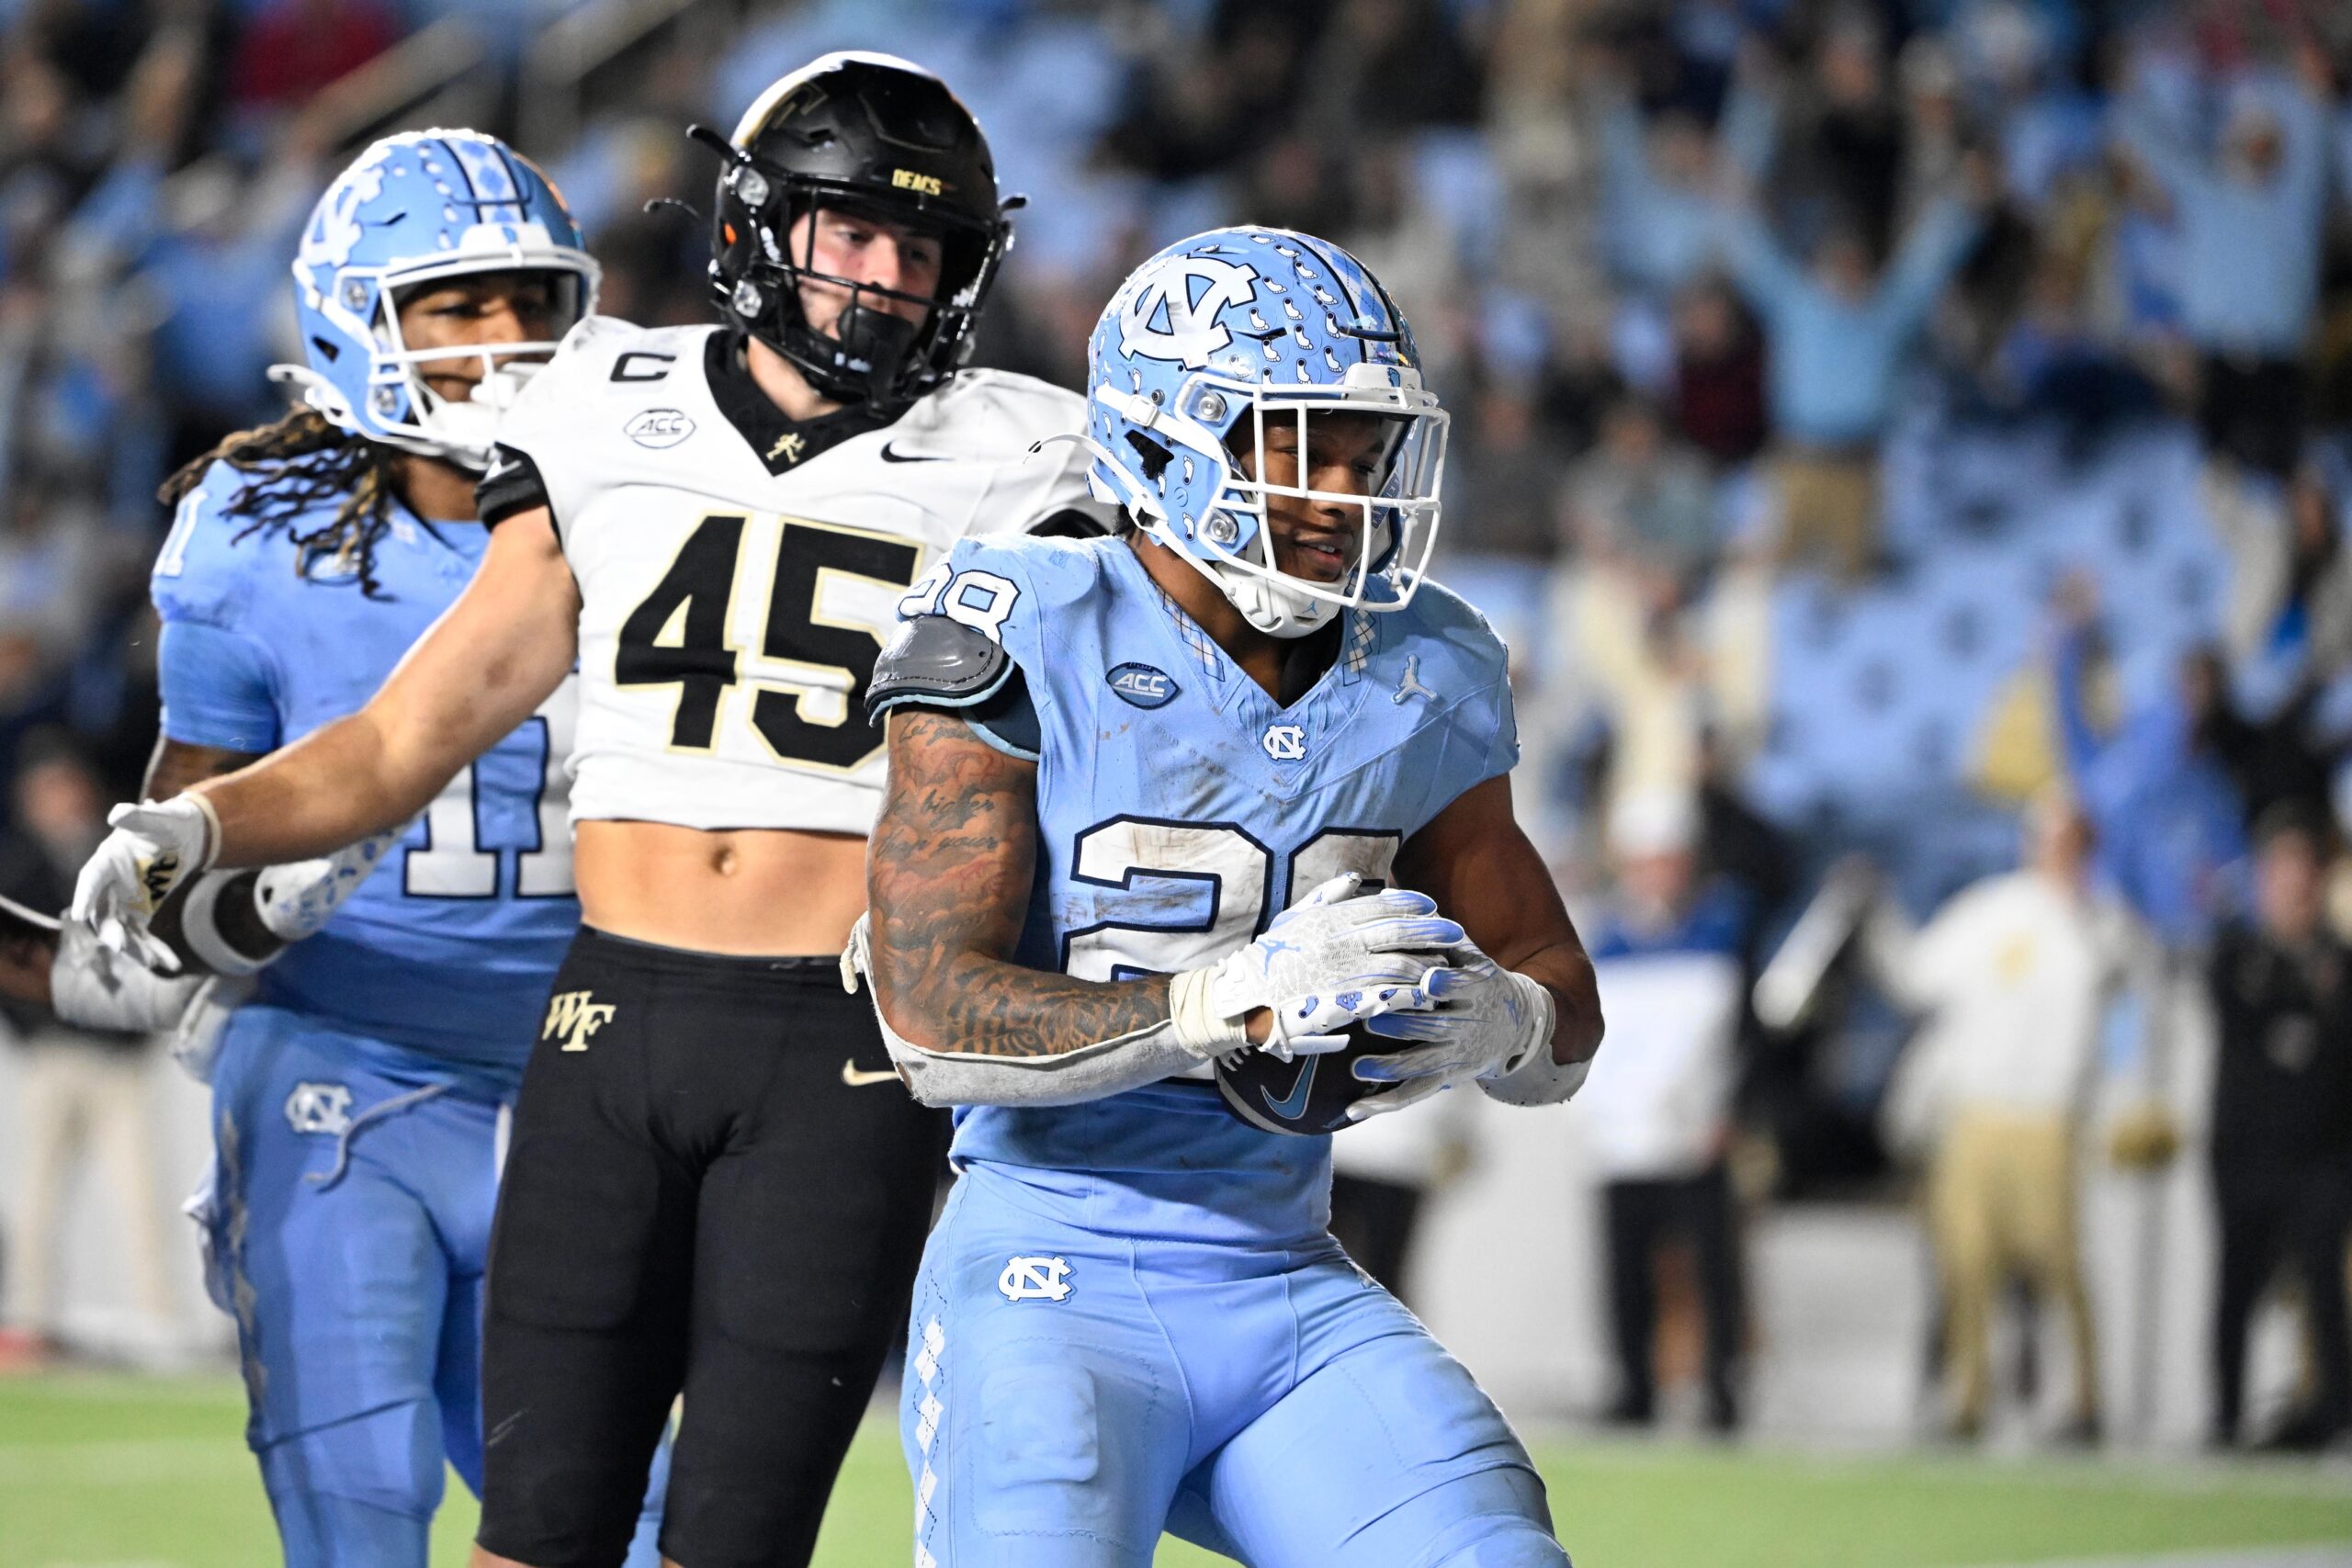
[1140, 910]
[359, 1094]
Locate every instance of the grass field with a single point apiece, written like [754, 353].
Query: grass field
[111, 1471]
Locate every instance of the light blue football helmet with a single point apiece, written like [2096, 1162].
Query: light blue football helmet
[412, 209]
[1204, 345]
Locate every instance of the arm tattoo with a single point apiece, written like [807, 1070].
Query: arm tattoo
[948, 878]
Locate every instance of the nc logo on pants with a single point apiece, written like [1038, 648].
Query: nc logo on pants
[319, 1108]
[575, 1015]
[1034, 1279]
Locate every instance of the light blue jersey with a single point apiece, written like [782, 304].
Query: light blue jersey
[1132, 1317]
[356, 1098]
[1180, 809]
[442, 959]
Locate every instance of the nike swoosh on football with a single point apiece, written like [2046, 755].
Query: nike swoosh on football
[1295, 1103]
[890, 456]
[855, 1079]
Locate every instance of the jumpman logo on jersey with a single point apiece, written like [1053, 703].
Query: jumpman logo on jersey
[788, 447]
[574, 1016]
[1410, 686]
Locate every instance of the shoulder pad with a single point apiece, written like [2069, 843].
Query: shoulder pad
[608, 345]
[936, 661]
[1017, 422]
[1050, 569]
[1022, 407]
[609, 378]
[606, 362]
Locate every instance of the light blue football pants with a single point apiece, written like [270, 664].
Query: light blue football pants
[347, 1231]
[1069, 1395]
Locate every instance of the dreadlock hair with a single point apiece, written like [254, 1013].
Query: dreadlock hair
[295, 464]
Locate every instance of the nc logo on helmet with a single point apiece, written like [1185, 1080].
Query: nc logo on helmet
[1173, 312]
[335, 229]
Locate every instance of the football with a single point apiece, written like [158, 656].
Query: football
[1307, 1095]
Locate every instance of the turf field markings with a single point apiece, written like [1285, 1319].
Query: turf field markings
[122, 1388]
[2327, 1480]
[126, 1463]
[2334, 1556]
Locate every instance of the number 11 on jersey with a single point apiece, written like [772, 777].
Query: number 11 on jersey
[451, 863]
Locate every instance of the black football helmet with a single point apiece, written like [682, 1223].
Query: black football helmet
[871, 133]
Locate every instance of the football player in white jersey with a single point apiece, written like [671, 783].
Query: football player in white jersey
[716, 1183]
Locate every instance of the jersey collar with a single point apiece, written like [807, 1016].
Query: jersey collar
[777, 440]
[1327, 657]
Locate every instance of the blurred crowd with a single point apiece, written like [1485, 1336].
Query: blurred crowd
[1903, 428]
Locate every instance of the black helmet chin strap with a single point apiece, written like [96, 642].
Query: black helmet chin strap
[879, 340]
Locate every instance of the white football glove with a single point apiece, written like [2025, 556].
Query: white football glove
[1336, 957]
[1485, 1023]
[154, 846]
[93, 987]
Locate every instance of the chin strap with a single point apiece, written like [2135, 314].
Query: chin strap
[1269, 606]
[492, 396]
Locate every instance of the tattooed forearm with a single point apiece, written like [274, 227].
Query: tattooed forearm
[948, 878]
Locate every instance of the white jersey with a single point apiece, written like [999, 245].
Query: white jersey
[739, 572]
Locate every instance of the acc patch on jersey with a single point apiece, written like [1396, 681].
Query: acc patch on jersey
[1143, 686]
[658, 428]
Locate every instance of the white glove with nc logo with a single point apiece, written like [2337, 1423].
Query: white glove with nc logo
[1338, 956]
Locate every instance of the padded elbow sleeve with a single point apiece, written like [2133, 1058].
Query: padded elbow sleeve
[1072, 1078]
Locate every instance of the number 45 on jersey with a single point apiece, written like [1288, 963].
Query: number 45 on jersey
[831, 597]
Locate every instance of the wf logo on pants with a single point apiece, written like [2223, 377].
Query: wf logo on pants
[574, 1016]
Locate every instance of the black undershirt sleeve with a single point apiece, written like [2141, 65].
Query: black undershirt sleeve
[512, 485]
